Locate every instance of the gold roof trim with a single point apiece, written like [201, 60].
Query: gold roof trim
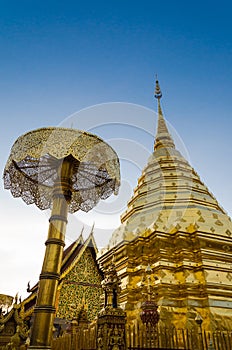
[80, 253]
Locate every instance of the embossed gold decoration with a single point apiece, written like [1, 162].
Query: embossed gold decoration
[82, 285]
[175, 224]
[66, 170]
[5, 301]
[14, 327]
[111, 319]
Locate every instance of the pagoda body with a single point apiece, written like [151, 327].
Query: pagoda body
[176, 226]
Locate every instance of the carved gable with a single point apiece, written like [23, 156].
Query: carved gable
[81, 286]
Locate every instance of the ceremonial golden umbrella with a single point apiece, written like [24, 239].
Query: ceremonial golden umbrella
[65, 170]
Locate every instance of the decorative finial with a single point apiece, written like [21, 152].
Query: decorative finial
[92, 229]
[82, 230]
[80, 238]
[163, 138]
[158, 92]
[16, 298]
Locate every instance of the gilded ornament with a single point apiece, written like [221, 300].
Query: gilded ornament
[66, 170]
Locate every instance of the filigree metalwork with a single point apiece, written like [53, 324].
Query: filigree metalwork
[32, 168]
[65, 170]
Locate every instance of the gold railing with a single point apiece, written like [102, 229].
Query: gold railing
[81, 339]
[142, 337]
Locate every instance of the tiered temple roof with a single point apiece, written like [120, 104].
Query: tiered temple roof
[80, 282]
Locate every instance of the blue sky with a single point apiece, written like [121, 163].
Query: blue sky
[59, 57]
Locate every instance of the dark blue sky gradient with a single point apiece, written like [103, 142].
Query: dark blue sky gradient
[60, 56]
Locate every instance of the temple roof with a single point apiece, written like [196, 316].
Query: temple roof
[170, 195]
[71, 256]
[74, 252]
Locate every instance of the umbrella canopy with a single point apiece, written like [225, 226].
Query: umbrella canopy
[32, 168]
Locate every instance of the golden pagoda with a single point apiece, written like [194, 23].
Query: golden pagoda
[174, 226]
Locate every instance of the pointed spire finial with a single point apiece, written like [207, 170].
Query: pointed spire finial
[92, 229]
[163, 138]
[158, 92]
[80, 238]
[82, 230]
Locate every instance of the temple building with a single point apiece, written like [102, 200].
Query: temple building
[80, 283]
[174, 243]
[14, 326]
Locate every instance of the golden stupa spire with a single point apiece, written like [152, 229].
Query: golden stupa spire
[163, 137]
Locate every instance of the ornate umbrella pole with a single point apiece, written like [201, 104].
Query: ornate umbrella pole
[66, 170]
[45, 307]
